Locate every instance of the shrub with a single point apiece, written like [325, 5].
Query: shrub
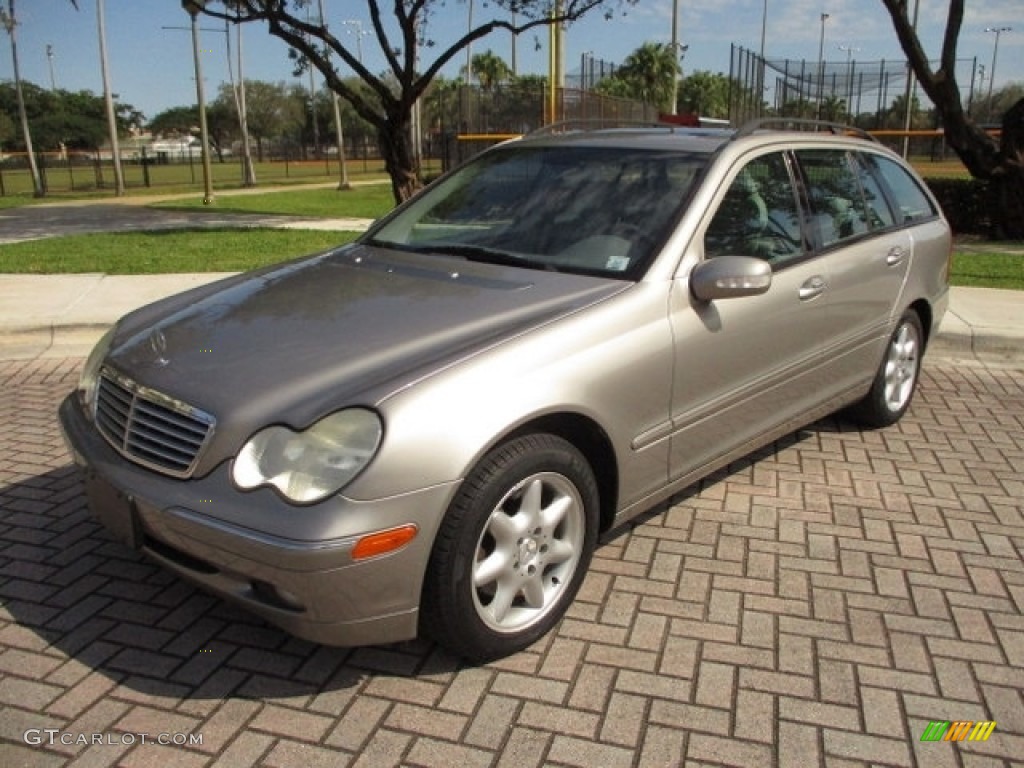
[966, 203]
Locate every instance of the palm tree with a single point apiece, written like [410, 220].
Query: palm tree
[651, 72]
[490, 69]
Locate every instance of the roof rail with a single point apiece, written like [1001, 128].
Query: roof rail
[597, 124]
[796, 124]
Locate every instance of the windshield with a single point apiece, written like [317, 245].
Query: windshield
[593, 210]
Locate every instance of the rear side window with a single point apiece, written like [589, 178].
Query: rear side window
[912, 204]
[879, 213]
[838, 209]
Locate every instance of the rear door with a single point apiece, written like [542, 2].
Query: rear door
[866, 253]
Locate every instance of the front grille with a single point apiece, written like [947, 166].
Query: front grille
[149, 427]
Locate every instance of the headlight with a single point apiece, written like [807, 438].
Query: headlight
[310, 465]
[90, 377]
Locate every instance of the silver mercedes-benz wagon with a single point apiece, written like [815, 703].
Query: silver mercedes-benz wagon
[427, 429]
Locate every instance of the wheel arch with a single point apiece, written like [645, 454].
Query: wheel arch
[590, 439]
[925, 314]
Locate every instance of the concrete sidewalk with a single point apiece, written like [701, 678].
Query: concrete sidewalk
[63, 315]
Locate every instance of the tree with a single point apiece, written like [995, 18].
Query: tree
[490, 70]
[272, 112]
[833, 109]
[176, 121]
[1001, 163]
[705, 94]
[981, 107]
[401, 40]
[648, 74]
[7, 130]
[74, 119]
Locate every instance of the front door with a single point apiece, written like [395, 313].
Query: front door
[745, 365]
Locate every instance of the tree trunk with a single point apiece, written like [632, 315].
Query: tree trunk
[1007, 180]
[399, 158]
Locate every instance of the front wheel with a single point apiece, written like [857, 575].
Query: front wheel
[897, 376]
[512, 549]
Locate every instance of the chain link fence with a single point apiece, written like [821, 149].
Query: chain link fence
[869, 94]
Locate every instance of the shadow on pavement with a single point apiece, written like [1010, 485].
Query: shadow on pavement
[69, 590]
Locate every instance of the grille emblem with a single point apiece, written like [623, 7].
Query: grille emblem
[158, 343]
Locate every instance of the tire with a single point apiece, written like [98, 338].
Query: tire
[896, 379]
[512, 549]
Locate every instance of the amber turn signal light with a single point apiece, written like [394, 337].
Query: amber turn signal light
[382, 542]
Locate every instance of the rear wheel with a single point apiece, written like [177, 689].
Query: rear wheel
[512, 549]
[897, 376]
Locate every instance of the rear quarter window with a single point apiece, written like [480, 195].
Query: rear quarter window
[912, 203]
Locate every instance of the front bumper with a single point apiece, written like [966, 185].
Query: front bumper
[311, 587]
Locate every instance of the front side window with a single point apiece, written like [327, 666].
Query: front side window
[758, 216]
[593, 210]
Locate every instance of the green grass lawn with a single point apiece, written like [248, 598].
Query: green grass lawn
[991, 265]
[363, 202]
[989, 268]
[138, 253]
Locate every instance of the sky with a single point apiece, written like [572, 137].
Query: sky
[150, 54]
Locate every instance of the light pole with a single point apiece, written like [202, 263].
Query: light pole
[49, 58]
[980, 79]
[343, 183]
[193, 7]
[584, 57]
[359, 35]
[673, 102]
[850, 50]
[821, 64]
[115, 149]
[909, 95]
[248, 171]
[469, 47]
[992, 72]
[764, 32]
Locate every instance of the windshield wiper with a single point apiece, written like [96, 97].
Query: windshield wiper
[485, 255]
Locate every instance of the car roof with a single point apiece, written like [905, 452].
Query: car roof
[675, 138]
[698, 140]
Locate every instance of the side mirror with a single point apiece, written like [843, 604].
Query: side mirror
[729, 277]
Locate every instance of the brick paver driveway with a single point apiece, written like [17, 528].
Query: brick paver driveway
[819, 604]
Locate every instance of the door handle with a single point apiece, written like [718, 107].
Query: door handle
[812, 288]
[894, 257]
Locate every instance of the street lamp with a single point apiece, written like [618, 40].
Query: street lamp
[821, 63]
[193, 8]
[992, 72]
[359, 35]
[49, 57]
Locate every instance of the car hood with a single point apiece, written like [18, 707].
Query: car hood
[293, 342]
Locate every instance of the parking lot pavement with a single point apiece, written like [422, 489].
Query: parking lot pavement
[819, 604]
